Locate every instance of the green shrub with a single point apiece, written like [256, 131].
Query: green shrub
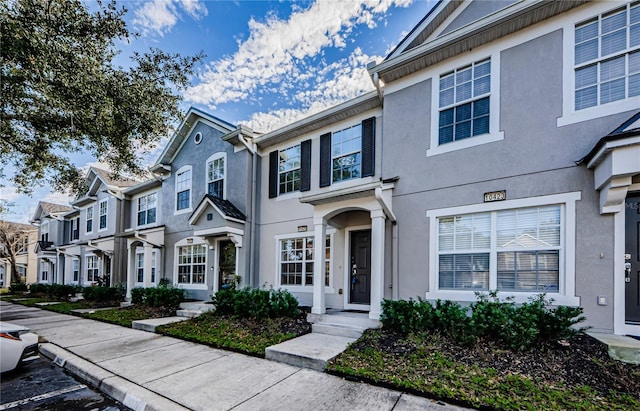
[100, 294]
[62, 291]
[18, 287]
[161, 296]
[255, 302]
[37, 288]
[517, 327]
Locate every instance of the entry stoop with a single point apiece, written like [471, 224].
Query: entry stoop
[308, 351]
[186, 311]
[331, 334]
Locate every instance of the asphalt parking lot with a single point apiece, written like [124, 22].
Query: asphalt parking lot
[42, 385]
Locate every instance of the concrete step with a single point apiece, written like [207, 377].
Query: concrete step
[308, 351]
[340, 330]
[188, 313]
[197, 306]
[151, 324]
[620, 347]
[345, 318]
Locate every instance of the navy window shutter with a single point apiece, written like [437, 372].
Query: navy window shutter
[325, 160]
[305, 165]
[273, 174]
[368, 147]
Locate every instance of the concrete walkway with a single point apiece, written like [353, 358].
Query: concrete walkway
[152, 372]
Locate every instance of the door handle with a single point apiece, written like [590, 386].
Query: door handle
[627, 272]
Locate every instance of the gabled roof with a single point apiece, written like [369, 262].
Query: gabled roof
[630, 130]
[46, 209]
[96, 177]
[319, 120]
[225, 208]
[184, 130]
[18, 227]
[419, 51]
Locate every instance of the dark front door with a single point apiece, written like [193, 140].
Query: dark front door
[360, 288]
[226, 264]
[632, 259]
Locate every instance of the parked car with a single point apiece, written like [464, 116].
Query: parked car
[18, 345]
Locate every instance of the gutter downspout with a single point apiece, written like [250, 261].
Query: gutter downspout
[253, 149]
[376, 81]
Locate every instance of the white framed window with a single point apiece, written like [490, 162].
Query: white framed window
[518, 247]
[103, 208]
[346, 153]
[295, 261]
[216, 170]
[465, 104]
[92, 268]
[74, 229]
[197, 138]
[75, 270]
[44, 271]
[601, 67]
[44, 231]
[139, 265]
[289, 163]
[154, 266]
[183, 189]
[147, 206]
[191, 264]
[607, 57]
[89, 226]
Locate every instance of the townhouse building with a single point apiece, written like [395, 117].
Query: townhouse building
[206, 198]
[22, 239]
[500, 150]
[49, 218]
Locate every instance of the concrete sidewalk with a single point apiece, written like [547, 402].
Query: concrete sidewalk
[147, 371]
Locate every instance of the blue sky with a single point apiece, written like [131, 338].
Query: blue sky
[268, 62]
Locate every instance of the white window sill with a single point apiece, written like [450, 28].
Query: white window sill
[465, 143]
[183, 211]
[305, 289]
[519, 297]
[193, 286]
[288, 196]
[603, 110]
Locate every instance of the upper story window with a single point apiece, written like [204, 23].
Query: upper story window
[90, 219]
[23, 243]
[183, 189]
[74, 232]
[44, 231]
[464, 102]
[215, 175]
[147, 209]
[289, 170]
[607, 57]
[346, 148]
[103, 214]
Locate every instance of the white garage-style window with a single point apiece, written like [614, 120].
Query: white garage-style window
[518, 247]
[191, 263]
[295, 260]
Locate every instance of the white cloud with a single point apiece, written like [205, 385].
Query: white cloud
[283, 53]
[159, 16]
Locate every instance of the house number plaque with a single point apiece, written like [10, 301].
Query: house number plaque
[495, 196]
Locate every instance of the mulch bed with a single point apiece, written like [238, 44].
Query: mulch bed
[577, 361]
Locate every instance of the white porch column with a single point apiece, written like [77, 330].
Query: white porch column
[130, 271]
[377, 262]
[148, 254]
[320, 234]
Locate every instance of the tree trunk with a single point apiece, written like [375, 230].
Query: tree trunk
[15, 276]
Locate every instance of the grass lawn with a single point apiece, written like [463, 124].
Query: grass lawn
[248, 336]
[579, 376]
[124, 316]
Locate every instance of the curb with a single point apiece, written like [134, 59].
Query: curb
[129, 394]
